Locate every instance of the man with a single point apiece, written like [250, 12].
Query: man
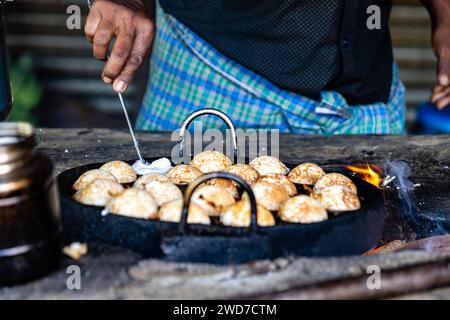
[301, 66]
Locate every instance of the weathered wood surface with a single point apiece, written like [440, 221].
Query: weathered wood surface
[427, 155]
[113, 273]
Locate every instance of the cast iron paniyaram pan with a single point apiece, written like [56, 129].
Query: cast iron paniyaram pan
[347, 234]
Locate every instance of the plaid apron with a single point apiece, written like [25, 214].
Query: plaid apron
[187, 74]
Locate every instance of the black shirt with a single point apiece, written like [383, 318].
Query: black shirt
[305, 46]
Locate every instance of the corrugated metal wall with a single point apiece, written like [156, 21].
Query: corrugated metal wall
[67, 69]
[411, 34]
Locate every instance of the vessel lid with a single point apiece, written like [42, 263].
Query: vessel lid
[15, 139]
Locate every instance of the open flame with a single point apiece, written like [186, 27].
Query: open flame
[370, 173]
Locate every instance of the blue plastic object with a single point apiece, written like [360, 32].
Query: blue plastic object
[433, 120]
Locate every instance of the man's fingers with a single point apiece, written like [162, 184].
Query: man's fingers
[141, 47]
[102, 38]
[444, 66]
[129, 71]
[438, 89]
[439, 95]
[119, 55]
[93, 21]
[444, 102]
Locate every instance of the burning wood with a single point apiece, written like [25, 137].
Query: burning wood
[387, 181]
[390, 247]
[439, 244]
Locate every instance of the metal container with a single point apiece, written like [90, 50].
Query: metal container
[29, 207]
[347, 234]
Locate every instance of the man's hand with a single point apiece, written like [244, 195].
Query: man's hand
[441, 45]
[440, 15]
[129, 22]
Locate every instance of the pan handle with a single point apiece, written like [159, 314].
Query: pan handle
[219, 175]
[201, 112]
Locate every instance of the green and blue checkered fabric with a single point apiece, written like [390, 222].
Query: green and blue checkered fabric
[187, 74]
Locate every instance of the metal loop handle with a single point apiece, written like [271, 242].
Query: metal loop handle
[202, 112]
[219, 175]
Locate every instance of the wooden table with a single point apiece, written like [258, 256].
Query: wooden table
[113, 273]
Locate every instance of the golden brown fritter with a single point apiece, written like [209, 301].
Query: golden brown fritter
[90, 176]
[136, 203]
[98, 192]
[122, 171]
[302, 209]
[266, 165]
[281, 181]
[306, 173]
[184, 174]
[338, 198]
[269, 195]
[332, 179]
[211, 161]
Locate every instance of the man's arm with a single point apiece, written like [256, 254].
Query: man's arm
[132, 23]
[440, 15]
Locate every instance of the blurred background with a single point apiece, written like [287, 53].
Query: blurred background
[56, 81]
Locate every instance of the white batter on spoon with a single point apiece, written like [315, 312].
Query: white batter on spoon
[161, 166]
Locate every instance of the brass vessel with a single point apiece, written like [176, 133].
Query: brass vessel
[29, 207]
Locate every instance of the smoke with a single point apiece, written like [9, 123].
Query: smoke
[404, 186]
[408, 222]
